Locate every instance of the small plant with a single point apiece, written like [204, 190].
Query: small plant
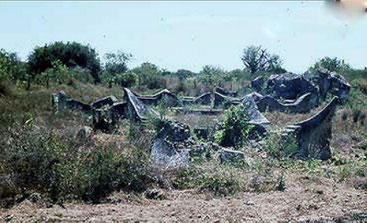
[235, 127]
[312, 166]
[281, 146]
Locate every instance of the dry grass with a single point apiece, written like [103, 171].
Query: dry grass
[195, 121]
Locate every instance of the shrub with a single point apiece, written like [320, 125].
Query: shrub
[281, 146]
[219, 180]
[128, 79]
[56, 75]
[42, 162]
[150, 75]
[71, 54]
[235, 128]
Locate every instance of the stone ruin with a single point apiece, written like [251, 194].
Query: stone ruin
[314, 134]
[174, 144]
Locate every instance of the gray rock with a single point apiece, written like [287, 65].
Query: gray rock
[258, 83]
[171, 147]
[331, 82]
[291, 86]
[35, 198]
[233, 156]
[84, 133]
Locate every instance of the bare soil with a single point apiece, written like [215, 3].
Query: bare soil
[306, 199]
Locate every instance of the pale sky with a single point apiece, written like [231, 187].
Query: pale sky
[189, 35]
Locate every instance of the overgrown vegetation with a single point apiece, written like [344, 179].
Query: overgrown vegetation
[39, 151]
[235, 129]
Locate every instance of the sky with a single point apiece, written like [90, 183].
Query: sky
[189, 34]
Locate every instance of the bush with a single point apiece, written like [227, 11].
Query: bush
[42, 162]
[235, 128]
[11, 68]
[219, 180]
[128, 79]
[56, 75]
[150, 75]
[71, 54]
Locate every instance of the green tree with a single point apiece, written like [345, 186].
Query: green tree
[332, 64]
[211, 75]
[149, 75]
[115, 67]
[57, 74]
[257, 59]
[11, 67]
[71, 54]
[127, 79]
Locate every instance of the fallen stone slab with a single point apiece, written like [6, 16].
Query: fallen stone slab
[234, 156]
[227, 155]
[61, 100]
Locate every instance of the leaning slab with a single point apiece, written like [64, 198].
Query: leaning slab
[225, 101]
[313, 135]
[259, 122]
[136, 109]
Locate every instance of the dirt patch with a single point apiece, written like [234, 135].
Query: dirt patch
[305, 198]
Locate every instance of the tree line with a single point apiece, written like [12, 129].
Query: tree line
[63, 63]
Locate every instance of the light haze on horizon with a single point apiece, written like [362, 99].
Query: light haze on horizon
[189, 35]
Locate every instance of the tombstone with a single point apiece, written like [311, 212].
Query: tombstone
[313, 135]
[136, 109]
